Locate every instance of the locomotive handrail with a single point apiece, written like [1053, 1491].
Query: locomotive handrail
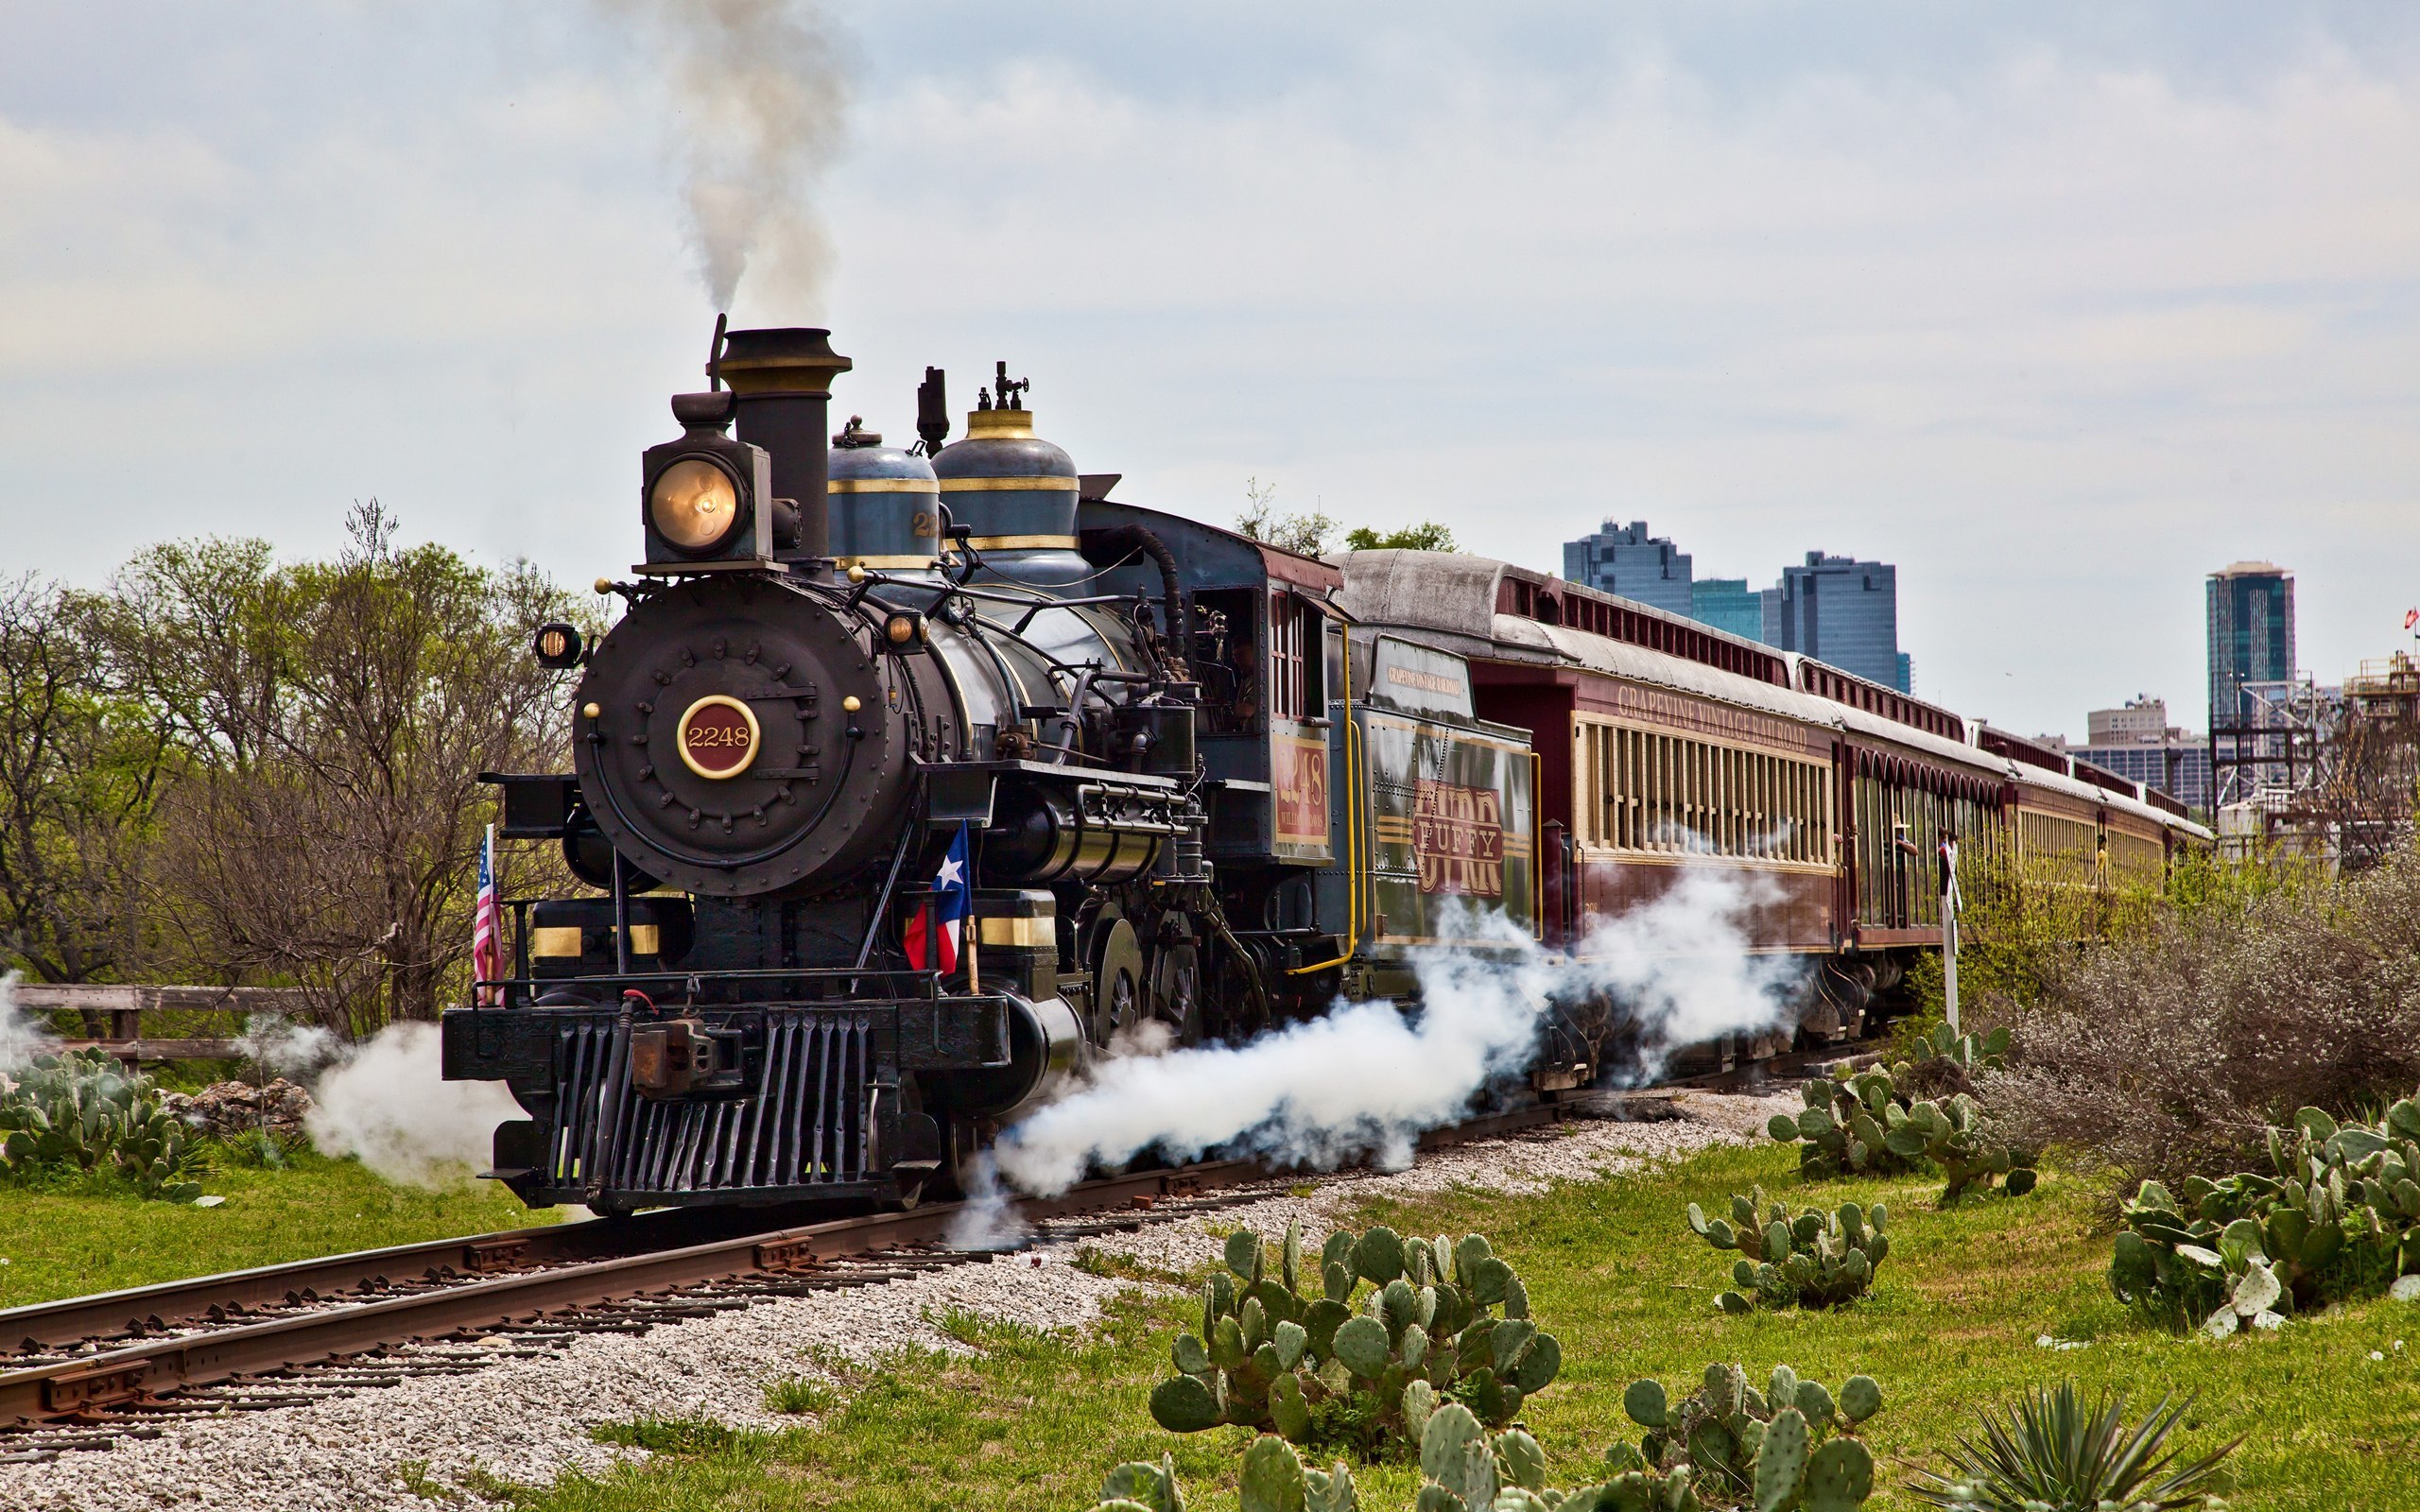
[1353, 872]
[918, 807]
[1041, 604]
[904, 986]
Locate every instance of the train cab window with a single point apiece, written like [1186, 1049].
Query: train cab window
[1227, 639]
[1297, 660]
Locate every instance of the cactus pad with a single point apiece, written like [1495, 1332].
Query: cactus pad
[1183, 1405]
[1781, 1459]
[1840, 1477]
[1378, 1256]
[1272, 1477]
[1860, 1398]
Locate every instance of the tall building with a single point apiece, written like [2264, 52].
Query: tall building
[2252, 636]
[1630, 562]
[2136, 741]
[1843, 611]
[1728, 604]
[2142, 717]
[2179, 770]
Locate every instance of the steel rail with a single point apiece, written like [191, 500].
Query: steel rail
[43, 1327]
[133, 1373]
[160, 1365]
[571, 1267]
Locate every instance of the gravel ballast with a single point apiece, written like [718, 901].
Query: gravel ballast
[530, 1420]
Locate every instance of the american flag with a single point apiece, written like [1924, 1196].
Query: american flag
[486, 931]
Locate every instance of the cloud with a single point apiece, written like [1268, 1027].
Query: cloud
[2058, 313]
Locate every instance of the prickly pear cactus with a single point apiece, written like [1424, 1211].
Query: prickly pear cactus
[1869, 1122]
[1957, 1135]
[1395, 1328]
[80, 1109]
[1968, 1052]
[1792, 1445]
[1839, 1131]
[1812, 1258]
[2336, 1215]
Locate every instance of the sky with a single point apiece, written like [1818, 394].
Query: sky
[2056, 306]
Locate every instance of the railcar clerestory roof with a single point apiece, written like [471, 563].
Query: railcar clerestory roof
[1458, 600]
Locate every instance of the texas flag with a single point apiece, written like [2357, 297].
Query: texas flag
[934, 932]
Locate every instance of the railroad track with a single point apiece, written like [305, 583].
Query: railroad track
[87, 1372]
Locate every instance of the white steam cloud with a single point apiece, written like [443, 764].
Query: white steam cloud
[284, 1048]
[1367, 1079]
[759, 96]
[386, 1103]
[20, 1038]
[383, 1101]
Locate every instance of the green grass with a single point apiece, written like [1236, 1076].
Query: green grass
[1034, 1421]
[93, 1234]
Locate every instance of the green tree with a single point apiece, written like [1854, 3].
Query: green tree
[80, 766]
[1427, 536]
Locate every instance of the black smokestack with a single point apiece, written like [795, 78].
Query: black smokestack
[782, 378]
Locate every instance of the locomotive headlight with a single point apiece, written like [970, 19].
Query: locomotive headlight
[693, 505]
[557, 646]
[904, 632]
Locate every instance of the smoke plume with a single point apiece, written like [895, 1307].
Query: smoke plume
[759, 93]
[1368, 1079]
[386, 1103]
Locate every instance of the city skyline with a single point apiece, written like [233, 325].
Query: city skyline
[1854, 625]
[2056, 311]
[1629, 560]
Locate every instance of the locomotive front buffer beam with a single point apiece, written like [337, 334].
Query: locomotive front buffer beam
[756, 1103]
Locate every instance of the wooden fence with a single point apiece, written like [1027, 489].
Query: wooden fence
[126, 1007]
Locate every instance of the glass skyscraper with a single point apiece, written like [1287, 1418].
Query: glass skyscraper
[1629, 562]
[2252, 636]
[1843, 611]
[1728, 604]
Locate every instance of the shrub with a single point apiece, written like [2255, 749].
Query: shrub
[2168, 1052]
[2052, 1452]
[1322, 1370]
[79, 1110]
[2338, 1215]
[260, 1149]
[1814, 1260]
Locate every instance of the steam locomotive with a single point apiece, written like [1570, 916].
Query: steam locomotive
[1204, 785]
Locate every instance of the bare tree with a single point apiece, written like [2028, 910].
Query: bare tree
[336, 716]
[1306, 535]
